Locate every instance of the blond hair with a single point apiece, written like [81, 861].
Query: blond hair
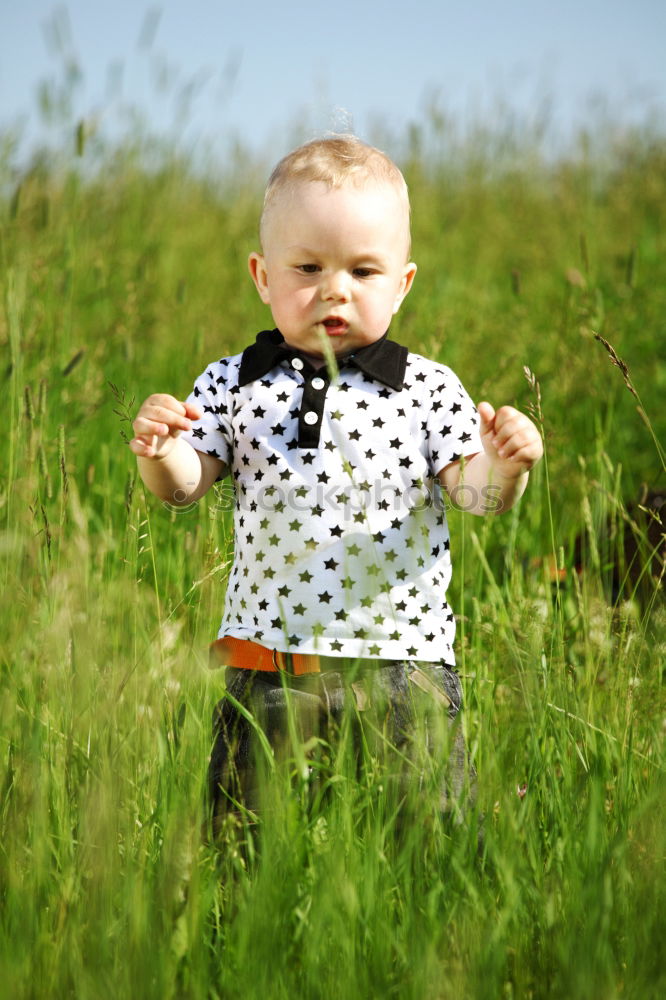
[334, 161]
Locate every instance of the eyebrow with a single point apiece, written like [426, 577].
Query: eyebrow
[365, 255]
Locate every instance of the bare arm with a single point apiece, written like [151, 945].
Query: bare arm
[171, 468]
[496, 477]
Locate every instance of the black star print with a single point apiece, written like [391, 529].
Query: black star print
[273, 460]
[259, 411]
[331, 564]
[325, 598]
[198, 433]
[456, 408]
[395, 443]
[212, 453]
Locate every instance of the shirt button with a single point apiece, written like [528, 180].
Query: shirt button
[317, 383]
[311, 417]
[297, 363]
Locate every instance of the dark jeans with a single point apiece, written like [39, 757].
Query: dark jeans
[402, 714]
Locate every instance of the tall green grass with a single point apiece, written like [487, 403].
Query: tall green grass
[126, 280]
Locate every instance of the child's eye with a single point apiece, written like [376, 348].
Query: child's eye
[363, 272]
[308, 268]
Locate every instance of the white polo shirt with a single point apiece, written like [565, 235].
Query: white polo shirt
[341, 540]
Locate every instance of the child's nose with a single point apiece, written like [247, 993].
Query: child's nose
[336, 286]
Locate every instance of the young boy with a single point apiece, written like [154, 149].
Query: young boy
[337, 440]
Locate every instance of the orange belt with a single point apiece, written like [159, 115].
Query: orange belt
[249, 655]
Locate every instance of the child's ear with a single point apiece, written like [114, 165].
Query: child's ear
[257, 267]
[405, 285]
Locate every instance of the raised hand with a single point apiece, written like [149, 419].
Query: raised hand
[158, 423]
[510, 440]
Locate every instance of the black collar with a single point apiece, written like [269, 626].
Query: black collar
[383, 360]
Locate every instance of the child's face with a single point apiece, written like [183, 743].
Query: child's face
[333, 265]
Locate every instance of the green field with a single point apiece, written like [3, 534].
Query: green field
[123, 272]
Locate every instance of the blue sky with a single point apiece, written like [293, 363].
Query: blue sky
[266, 71]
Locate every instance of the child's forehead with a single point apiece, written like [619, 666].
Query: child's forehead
[305, 190]
[302, 198]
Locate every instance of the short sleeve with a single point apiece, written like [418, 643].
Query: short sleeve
[212, 434]
[452, 423]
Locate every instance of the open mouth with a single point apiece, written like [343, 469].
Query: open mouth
[335, 326]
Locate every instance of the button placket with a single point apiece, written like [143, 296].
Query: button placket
[311, 411]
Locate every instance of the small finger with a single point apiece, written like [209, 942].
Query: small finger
[141, 448]
[145, 427]
[193, 411]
